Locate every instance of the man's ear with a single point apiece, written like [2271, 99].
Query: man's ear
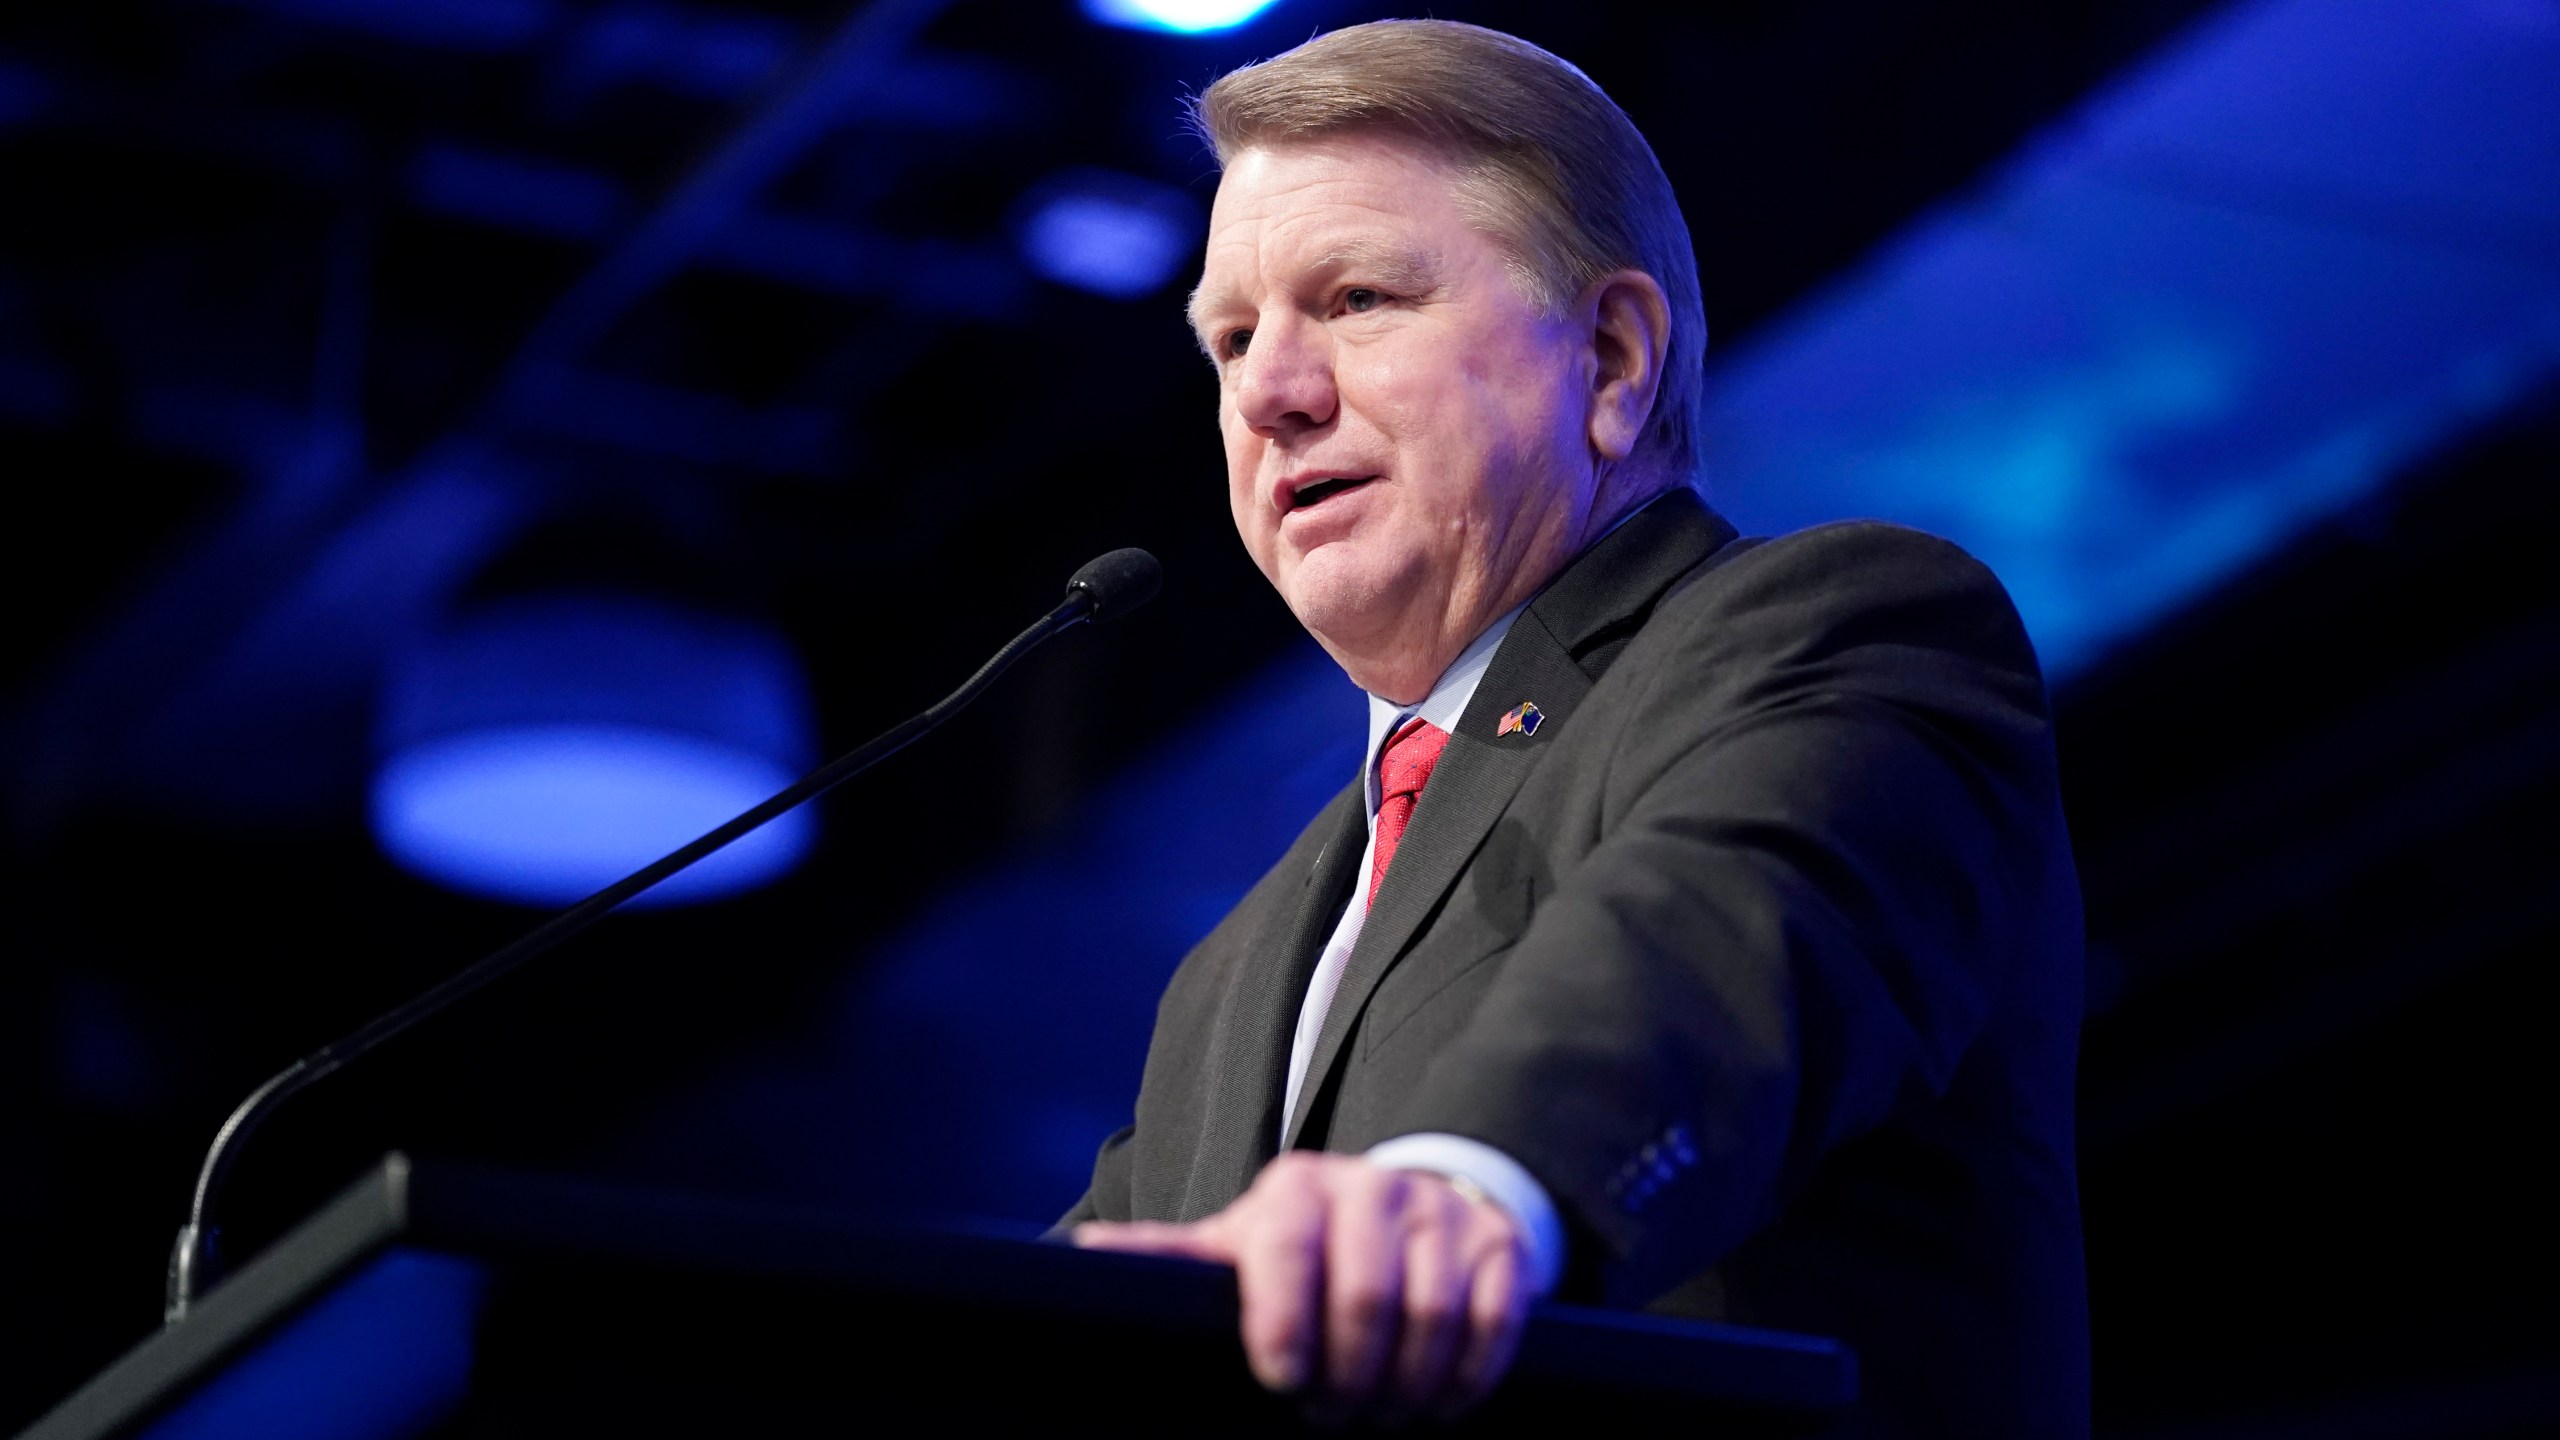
[1630, 334]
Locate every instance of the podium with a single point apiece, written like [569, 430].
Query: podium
[434, 1301]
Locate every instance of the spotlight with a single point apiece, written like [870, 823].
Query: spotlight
[544, 748]
[1112, 234]
[1183, 17]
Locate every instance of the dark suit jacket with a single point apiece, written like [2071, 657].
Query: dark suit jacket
[1763, 954]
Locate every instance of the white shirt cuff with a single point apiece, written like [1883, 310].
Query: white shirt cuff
[1502, 1180]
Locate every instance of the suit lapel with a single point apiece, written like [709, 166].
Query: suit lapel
[1605, 591]
[1258, 1015]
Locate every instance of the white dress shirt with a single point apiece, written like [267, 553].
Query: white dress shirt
[1501, 1178]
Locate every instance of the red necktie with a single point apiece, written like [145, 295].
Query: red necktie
[1402, 772]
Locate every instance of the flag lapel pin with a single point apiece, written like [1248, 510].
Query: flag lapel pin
[1522, 719]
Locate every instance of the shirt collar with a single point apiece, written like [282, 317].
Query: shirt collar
[1447, 702]
[1443, 707]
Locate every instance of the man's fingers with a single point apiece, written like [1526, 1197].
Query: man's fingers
[1392, 1289]
[1280, 1277]
[1364, 1280]
[1435, 1303]
[1497, 1310]
[1154, 1237]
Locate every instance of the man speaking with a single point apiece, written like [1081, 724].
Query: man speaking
[1701, 932]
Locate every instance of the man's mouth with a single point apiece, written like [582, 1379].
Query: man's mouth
[1309, 496]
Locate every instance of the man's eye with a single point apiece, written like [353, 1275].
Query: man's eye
[1233, 347]
[1360, 300]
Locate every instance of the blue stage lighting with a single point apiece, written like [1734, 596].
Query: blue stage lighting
[1115, 235]
[2241, 288]
[1183, 17]
[387, 1353]
[545, 748]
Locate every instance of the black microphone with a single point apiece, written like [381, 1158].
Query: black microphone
[1105, 589]
[1118, 583]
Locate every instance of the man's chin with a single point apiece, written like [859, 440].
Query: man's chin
[1352, 609]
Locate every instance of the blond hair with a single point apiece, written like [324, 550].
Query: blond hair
[1549, 168]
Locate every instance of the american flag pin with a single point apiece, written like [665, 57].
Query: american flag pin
[1522, 719]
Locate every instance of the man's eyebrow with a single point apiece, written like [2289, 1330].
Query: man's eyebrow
[1407, 271]
[1203, 300]
[1403, 269]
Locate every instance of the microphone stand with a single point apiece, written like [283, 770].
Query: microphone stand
[1103, 590]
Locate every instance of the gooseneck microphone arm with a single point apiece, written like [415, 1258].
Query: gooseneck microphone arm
[1108, 588]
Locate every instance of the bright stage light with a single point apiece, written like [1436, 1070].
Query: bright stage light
[1115, 235]
[1183, 17]
[539, 753]
[550, 815]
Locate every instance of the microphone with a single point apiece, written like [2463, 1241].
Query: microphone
[1105, 589]
[1118, 583]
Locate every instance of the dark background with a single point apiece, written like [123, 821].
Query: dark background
[268, 408]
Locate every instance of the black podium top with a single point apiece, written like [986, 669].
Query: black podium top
[457, 1302]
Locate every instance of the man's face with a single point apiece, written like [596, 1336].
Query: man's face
[1406, 435]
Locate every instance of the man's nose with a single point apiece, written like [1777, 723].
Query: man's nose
[1285, 381]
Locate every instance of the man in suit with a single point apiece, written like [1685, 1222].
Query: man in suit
[1702, 932]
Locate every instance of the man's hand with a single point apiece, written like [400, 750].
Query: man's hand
[1379, 1293]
